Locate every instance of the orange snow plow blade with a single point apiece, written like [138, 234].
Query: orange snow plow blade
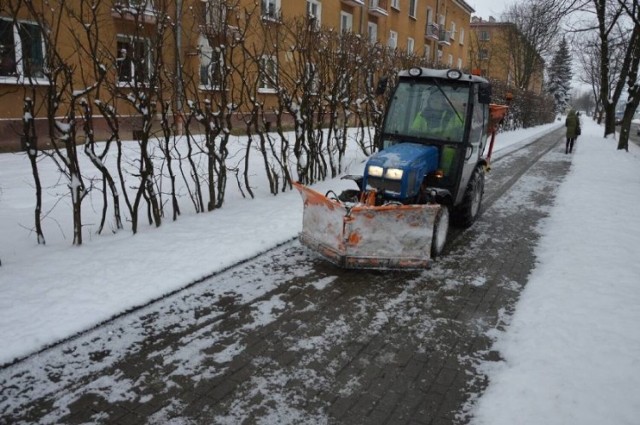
[367, 237]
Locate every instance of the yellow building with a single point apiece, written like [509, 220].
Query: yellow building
[434, 29]
[494, 55]
[177, 49]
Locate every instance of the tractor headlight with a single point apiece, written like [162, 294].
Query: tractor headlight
[375, 171]
[394, 174]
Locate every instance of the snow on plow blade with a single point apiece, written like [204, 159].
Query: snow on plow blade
[367, 237]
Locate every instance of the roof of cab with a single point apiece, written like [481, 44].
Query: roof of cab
[441, 73]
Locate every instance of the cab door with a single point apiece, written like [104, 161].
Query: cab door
[476, 141]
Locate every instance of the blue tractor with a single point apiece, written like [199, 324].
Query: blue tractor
[429, 171]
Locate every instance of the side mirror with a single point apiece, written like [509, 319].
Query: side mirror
[382, 86]
[484, 93]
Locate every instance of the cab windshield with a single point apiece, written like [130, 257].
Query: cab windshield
[429, 110]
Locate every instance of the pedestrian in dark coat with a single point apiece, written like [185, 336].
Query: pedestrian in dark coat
[573, 130]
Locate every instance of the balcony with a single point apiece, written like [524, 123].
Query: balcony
[219, 34]
[432, 32]
[134, 10]
[353, 2]
[378, 7]
[444, 38]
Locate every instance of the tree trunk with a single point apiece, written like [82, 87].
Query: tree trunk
[609, 118]
[32, 154]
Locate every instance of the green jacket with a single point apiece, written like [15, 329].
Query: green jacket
[447, 125]
[573, 124]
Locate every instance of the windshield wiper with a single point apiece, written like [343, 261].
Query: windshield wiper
[435, 80]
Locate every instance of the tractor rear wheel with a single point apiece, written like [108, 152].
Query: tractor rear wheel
[440, 232]
[467, 212]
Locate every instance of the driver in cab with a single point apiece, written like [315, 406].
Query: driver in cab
[439, 119]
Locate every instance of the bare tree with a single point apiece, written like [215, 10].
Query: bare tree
[615, 47]
[61, 102]
[286, 82]
[632, 11]
[31, 147]
[195, 193]
[588, 55]
[342, 67]
[583, 101]
[136, 72]
[215, 106]
[29, 135]
[165, 89]
[379, 65]
[532, 36]
[85, 26]
[300, 91]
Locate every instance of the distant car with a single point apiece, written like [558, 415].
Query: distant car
[619, 115]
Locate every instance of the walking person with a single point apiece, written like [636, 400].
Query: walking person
[573, 130]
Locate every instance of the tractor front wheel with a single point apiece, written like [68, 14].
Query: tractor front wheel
[467, 212]
[440, 232]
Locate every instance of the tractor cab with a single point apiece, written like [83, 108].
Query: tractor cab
[447, 111]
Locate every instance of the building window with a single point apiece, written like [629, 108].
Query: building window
[210, 66]
[459, 63]
[429, 15]
[21, 52]
[133, 61]
[453, 30]
[372, 28]
[393, 40]
[450, 60]
[427, 51]
[484, 36]
[268, 74]
[314, 11]
[346, 22]
[395, 4]
[410, 45]
[461, 38]
[483, 54]
[271, 9]
[413, 7]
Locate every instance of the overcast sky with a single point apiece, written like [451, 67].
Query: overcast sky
[486, 8]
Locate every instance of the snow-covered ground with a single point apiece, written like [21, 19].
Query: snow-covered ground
[570, 352]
